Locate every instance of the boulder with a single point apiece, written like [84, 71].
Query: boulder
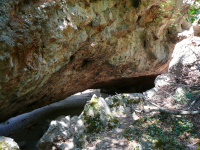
[70, 133]
[57, 131]
[96, 114]
[185, 61]
[122, 103]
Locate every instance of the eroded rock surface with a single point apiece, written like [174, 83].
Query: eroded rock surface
[179, 84]
[53, 49]
[8, 143]
[99, 115]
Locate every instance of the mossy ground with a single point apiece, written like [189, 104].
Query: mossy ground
[163, 131]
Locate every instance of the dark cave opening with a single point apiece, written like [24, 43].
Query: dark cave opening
[37, 127]
[135, 3]
[126, 85]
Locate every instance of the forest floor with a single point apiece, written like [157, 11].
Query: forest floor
[158, 130]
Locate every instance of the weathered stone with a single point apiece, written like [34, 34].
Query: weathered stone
[96, 114]
[127, 110]
[164, 80]
[123, 103]
[66, 146]
[71, 133]
[53, 49]
[8, 144]
[57, 131]
[150, 94]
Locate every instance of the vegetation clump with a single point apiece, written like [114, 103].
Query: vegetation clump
[96, 119]
[163, 130]
[113, 123]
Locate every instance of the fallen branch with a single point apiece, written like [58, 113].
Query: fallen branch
[175, 112]
[182, 85]
[195, 109]
[193, 102]
[153, 103]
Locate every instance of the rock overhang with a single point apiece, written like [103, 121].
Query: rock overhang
[53, 49]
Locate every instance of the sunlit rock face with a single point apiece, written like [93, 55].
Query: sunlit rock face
[52, 49]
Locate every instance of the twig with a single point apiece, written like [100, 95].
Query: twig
[167, 93]
[197, 87]
[195, 100]
[195, 109]
[176, 112]
[146, 99]
[153, 104]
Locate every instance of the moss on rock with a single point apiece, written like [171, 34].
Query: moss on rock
[97, 115]
[5, 146]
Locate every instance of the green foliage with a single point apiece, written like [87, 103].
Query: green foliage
[95, 124]
[193, 12]
[163, 13]
[164, 130]
[118, 100]
[113, 123]
[92, 117]
[184, 98]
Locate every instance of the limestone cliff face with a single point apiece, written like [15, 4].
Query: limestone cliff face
[52, 49]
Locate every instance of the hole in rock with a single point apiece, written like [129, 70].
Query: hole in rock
[72, 57]
[135, 3]
[138, 19]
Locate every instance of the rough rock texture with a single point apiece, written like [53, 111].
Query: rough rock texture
[98, 115]
[183, 72]
[185, 61]
[8, 144]
[72, 132]
[53, 49]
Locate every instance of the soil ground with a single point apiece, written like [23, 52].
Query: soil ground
[163, 131]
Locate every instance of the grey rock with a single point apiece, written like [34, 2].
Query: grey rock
[8, 143]
[67, 145]
[164, 80]
[58, 130]
[127, 110]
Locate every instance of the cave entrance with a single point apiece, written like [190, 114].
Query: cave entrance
[135, 3]
[127, 85]
[28, 128]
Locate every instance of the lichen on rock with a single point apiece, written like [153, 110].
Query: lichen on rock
[122, 103]
[8, 144]
[97, 115]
